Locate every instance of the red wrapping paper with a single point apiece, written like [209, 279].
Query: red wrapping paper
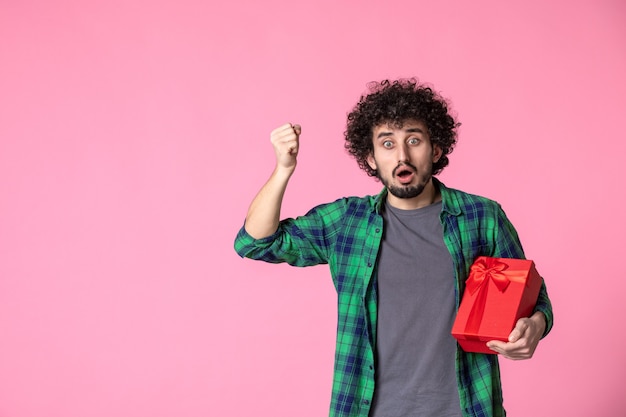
[498, 292]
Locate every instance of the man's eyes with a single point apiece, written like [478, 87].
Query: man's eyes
[411, 141]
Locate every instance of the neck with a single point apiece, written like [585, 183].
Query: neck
[428, 196]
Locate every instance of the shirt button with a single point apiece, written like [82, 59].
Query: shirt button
[369, 264]
[377, 230]
[366, 402]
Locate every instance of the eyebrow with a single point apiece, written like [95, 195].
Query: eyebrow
[388, 133]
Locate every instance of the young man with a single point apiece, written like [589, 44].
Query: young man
[399, 261]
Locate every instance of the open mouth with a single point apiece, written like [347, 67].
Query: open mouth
[404, 174]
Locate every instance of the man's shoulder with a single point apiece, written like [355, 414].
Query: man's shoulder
[466, 196]
[457, 199]
[354, 204]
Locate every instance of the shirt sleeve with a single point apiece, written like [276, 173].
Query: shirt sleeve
[304, 241]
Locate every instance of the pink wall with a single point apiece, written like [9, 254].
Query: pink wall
[133, 135]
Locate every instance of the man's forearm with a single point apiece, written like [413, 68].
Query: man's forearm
[264, 212]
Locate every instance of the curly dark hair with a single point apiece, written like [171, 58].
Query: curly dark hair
[395, 102]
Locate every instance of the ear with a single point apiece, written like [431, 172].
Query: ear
[371, 161]
[437, 152]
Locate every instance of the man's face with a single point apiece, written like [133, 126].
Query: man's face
[404, 158]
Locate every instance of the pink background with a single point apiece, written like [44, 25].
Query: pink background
[133, 135]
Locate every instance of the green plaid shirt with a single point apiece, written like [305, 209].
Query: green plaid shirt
[346, 235]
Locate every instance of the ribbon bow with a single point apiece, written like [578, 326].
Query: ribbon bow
[482, 271]
[485, 269]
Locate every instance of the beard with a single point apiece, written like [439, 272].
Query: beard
[407, 191]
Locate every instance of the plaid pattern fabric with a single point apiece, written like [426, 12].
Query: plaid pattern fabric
[346, 235]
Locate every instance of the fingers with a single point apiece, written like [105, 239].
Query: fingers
[522, 342]
[508, 350]
[497, 346]
[511, 351]
[286, 133]
[285, 140]
[287, 128]
[520, 328]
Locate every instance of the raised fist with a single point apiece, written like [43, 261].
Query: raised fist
[286, 142]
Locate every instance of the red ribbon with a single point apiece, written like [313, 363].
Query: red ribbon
[482, 271]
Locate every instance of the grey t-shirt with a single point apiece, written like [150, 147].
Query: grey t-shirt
[415, 352]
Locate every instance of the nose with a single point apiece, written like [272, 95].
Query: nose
[403, 154]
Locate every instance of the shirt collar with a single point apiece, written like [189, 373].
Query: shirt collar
[449, 203]
[379, 201]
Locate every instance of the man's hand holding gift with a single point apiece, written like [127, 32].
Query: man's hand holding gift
[523, 339]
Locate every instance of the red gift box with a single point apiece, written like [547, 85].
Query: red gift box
[498, 292]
